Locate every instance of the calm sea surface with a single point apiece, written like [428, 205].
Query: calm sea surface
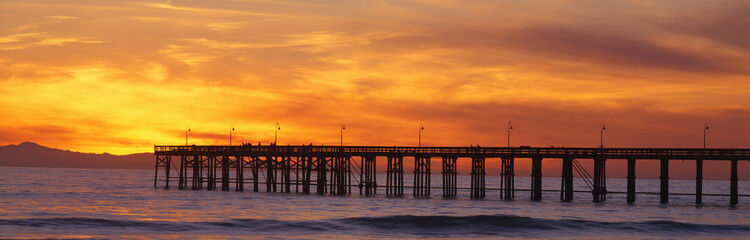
[98, 203]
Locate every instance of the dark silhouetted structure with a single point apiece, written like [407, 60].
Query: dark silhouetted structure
[338, 168]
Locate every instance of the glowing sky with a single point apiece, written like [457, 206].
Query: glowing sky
[120, 76]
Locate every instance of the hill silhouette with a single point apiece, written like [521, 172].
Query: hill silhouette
[30, 154]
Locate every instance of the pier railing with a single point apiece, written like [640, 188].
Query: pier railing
[522, 152]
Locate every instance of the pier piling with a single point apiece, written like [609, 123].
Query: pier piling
[699, 181]
[239, 171]
[322, 173]
[536, 179]
[211, 172]
[368, 177]
[286, 174]
[306, 164]
[197, 173]
[566, 191]
[507, 184]
[477, 178]
[168, 167]
[395, 176]
[631, 180]
[340, 170]
[183, 165]
[270, 178]
[600, 180]
[224, 173]
[421, 176]
[256, 162]
[449, 177]
[733, 192]
[664, 192]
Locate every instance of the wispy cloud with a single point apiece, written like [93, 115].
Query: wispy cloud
[30, 40]
[170, 6]
[60, 17]
[18, 37]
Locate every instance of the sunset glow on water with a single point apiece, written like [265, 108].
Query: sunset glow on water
[98, 203]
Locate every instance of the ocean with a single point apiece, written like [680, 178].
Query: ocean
[123, 204]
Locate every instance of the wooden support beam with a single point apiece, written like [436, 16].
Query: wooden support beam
[600, 180]
[197, 173]
[477, 177]
[421, 175]
[566, 191]
[166, 162]
[395, 176]
[322, 173]
[334, 175]
[507, 181]
[733, 192]
[239, 172]
[156, 170]
[362, 169]
[306, 165]
[368, 180]
[182, 178]
[449, 177]
[270, 178]
[536, 179]
[224, 173]
[256, 172]
[210, 172]
[286, 174]
[349, 174]
[168, 170]
[664, 192]
[631, 180]
[374, 175]
[340, 170]
[698, 181]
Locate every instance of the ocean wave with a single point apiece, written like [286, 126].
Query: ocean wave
[84, 222]
[401, 224]
[507, 223]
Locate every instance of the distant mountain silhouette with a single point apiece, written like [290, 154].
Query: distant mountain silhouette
[30, 154]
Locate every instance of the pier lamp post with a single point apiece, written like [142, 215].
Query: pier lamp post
[421, 127]
[705, 128]
[510, 127]
[230, 136]
[342, 134]
[601, 137]
[276, 133]
[186, 136]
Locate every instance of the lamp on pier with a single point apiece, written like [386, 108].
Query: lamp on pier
[601, 137]
[186, 136]
[276, 133]
[421, 127]
[342, 134]
[510, 127]
[230, 135]
[705, 128]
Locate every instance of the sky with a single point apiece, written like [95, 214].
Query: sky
[121, 76]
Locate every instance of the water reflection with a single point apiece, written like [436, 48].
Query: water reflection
[60, 202]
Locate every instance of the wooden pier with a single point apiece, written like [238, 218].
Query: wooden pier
[340, 168]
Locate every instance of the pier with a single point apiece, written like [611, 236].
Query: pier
[340, 169]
